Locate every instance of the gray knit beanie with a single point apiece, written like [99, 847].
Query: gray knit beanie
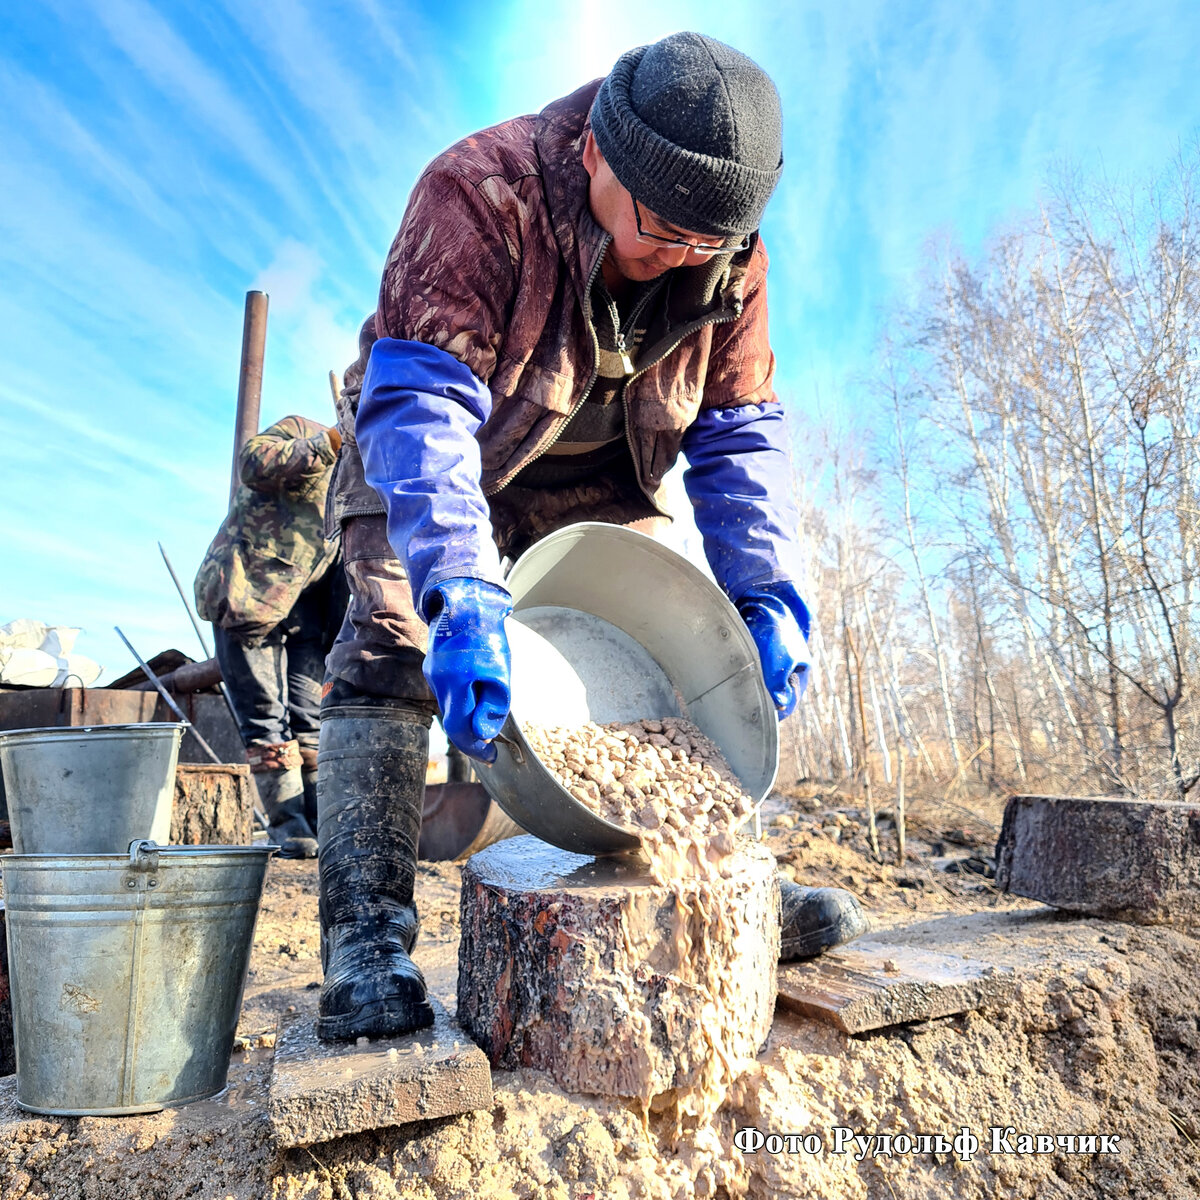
[691, 127]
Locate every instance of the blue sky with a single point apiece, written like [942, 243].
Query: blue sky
[159, 159]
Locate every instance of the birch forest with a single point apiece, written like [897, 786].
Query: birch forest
[1004, 546]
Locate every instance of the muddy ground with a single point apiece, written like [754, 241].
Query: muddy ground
[1102, 1038]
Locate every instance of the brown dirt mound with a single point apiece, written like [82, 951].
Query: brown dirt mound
[1101, 1038]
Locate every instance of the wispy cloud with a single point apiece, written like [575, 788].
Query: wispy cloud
[199, 92]
[159, 160]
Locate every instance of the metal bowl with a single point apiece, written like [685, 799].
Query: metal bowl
[610, 625]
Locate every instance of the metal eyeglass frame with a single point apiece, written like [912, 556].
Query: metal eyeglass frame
[701, 248]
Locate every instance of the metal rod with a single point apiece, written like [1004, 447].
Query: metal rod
[254, 345]
[162, 691]
[222, 687]
[186, 606]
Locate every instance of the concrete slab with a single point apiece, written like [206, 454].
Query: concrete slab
[321, 1091]
[873, 985]
[1128, 860]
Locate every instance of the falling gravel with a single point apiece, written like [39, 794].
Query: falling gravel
[662, 780]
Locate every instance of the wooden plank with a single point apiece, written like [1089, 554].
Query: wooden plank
[871, 985]
[324, 1090]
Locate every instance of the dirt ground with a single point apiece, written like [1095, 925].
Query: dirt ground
[1101, 1038]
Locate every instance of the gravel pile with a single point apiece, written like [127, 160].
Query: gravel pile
[662, 780]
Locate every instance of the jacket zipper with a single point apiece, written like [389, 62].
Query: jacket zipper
[630, 323]
[587, 313]
[695, 327]
[687, 331]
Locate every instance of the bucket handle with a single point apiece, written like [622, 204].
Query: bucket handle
[143, 855]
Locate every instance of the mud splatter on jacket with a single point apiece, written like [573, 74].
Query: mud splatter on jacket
[493, 264]
[271, 545]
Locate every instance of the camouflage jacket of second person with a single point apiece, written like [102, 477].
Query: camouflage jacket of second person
[271, 545]
[494, 263]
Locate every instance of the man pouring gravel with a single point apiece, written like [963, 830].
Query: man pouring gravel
[574, 299]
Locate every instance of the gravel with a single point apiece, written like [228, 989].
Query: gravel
[660, 779]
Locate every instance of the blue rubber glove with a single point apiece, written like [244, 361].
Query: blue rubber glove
[468, 664]
[418, 415]
[739, 480]
[779, 623]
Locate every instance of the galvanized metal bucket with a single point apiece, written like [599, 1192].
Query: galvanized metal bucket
[90, 789]
[127, 973]
[610, 625]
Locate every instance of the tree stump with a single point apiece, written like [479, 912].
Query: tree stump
[214, 805]
[1129, 860]
[587, 969]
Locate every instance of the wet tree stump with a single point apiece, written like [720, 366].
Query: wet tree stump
[214, 805]
[613, 984]
[1128, 860]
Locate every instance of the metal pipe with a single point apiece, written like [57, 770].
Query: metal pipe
[254, 344]
[186, 606]
[191, 677]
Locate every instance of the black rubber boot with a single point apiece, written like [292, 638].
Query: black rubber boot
[370, 785]
[814, 920]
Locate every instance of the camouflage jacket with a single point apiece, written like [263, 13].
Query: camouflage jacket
[271, 545]
[494, 263]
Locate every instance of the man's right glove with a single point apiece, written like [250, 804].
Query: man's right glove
[778, 621]
[468, 665]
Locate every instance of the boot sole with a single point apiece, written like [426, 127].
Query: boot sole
[374, 1020]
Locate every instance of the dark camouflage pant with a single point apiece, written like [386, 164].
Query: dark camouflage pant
[381, 646]
[275, 682]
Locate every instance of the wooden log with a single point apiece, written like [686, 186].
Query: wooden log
[1129, 860]
[589, 970]
[214, 805]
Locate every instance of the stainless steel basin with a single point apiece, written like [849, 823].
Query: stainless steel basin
[609, 625]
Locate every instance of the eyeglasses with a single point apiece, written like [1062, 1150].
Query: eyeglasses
[704, 249]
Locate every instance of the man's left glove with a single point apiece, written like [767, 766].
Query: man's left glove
[468, 665]
[779, 623]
